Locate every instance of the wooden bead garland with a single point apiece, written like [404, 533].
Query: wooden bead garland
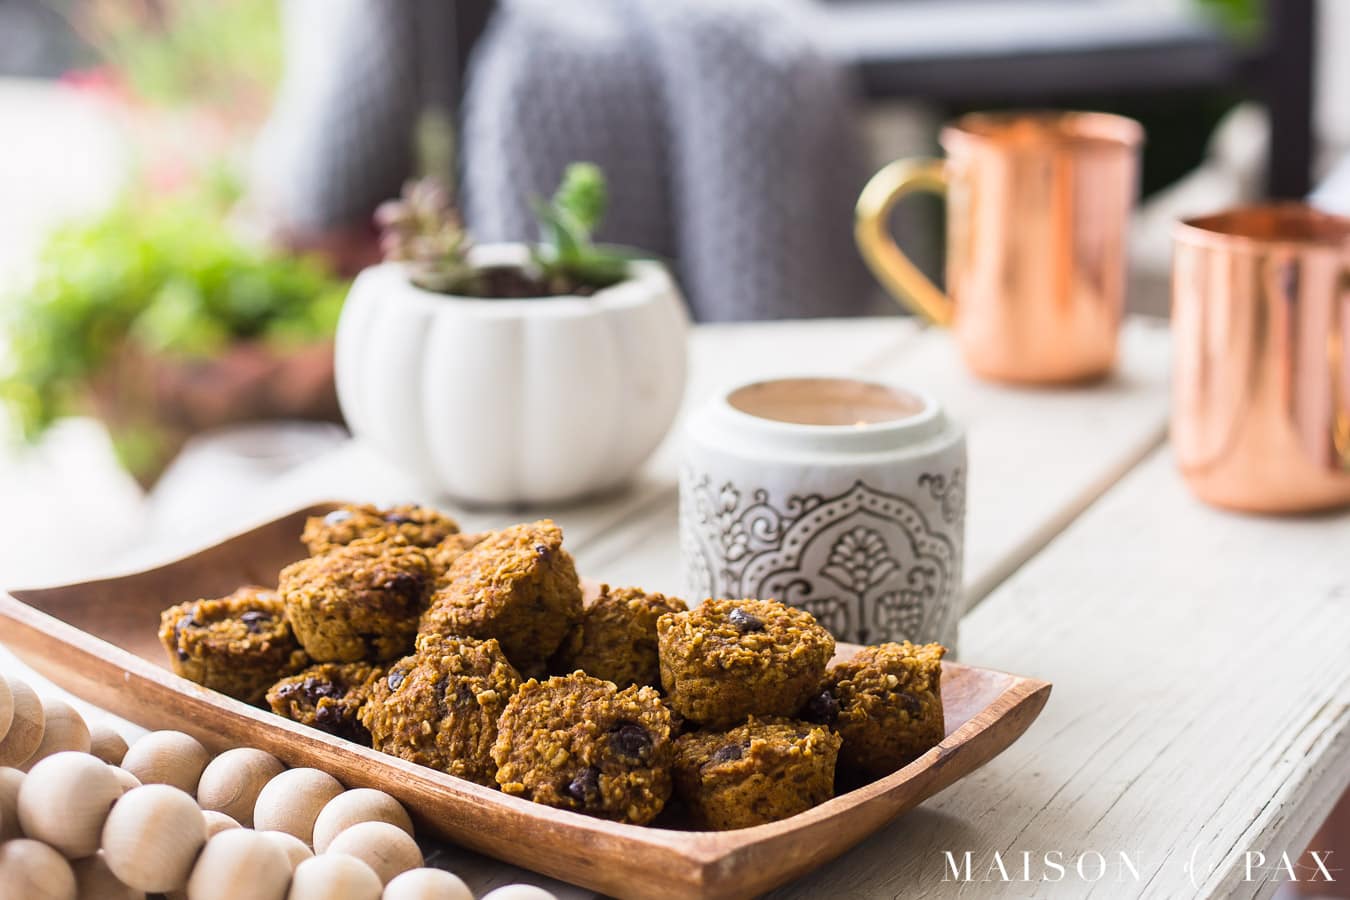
[125, 818]
[25, 731]
[10, 780]
[152, 837]
[95, 881]
[291, 802]
[427, 884]
[6, 706]
[385, 848]
[240, 865]
[353, 807]
[107, 743]
[519, 892]
[32, 870]
[296, 850]
[232, 781]
[64, 801]
[167, 757]
[334, 875]
[63, 729]
[216, 822]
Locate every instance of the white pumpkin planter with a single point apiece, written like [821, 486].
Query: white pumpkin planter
[512, 402]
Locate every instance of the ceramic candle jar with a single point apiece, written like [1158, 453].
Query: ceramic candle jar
[843, 497]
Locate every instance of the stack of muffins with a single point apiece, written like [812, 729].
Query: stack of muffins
[402, 633]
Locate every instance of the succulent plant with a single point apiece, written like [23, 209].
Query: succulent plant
[423, 229]
[566, 255]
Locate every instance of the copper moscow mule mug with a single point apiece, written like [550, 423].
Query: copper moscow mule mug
[1261, 358]
[1037, 210]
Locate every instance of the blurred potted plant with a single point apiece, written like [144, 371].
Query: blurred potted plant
[156, 319]
[511, 374]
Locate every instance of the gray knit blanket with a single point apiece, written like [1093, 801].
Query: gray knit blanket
[725, 132]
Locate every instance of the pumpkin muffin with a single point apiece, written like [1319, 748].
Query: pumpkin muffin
[440, 706]
[519, 586]
[616, 637]
[238, 645]
[759, 772]
[731, 659]
[886, 703]
[450, 549]
[419, 526]
[579, 743]
[327, 697]
[360, 601]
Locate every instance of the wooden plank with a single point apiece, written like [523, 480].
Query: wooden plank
[1201, 707]
[1038, 458]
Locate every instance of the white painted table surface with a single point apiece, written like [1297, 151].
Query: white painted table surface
[1201, 659]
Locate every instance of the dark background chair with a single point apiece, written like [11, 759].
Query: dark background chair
[965, 53]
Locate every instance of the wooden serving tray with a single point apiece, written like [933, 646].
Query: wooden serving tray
[98, 640]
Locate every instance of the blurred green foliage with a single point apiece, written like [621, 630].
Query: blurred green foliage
[165, 275]
[1243, 19]
[224, 53]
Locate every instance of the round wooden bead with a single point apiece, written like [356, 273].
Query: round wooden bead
[64, 801]
[334, 876]
[95, 881]
[386, 848]
[65, 729]
[167, 757]
[107, 743]
[296, 850]
[33, 871]
[240, 865]
[353, 807]
[10, 781]
[125, 778]
[232, 781]
[291, 802]
[216, 822]
[6, 706]
[25, 729]
[427, 884]
[519, 892]
[152, 837]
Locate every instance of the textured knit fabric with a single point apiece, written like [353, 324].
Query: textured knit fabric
[725, 133]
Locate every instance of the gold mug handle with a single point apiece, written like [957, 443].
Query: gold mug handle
[896, 272]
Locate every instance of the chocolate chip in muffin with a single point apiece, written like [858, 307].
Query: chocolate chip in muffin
[823, 709]
[585, 787]
[728, 753]
[745, 622]
[632, 742]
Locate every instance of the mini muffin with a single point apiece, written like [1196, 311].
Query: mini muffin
[359, 601]
[238, 645]
[439, 707]
[730, 659]
[762, 771]
[419, 526]
[616, 637]
[886, 703]
[576, 742]
[519, 586]
[327, 697]
[444, 554]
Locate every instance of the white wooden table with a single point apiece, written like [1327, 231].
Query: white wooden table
[1201, 660]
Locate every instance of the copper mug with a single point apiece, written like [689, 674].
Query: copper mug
[1261, 358]
[1037, 210]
